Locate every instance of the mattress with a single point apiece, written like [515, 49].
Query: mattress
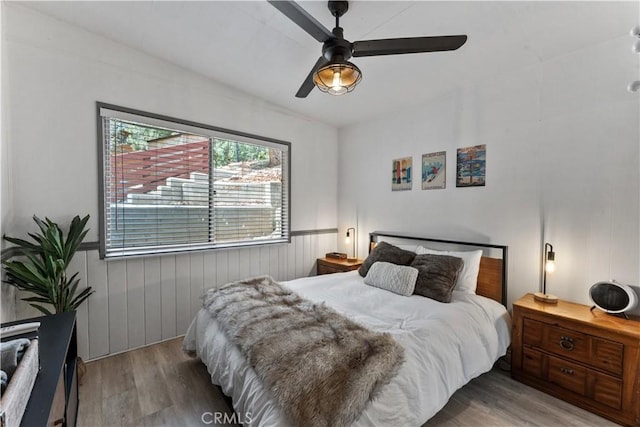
[446, 345]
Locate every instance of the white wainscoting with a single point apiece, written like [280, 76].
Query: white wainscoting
[141, 301]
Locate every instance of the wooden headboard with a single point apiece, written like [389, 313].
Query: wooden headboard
[492, 278]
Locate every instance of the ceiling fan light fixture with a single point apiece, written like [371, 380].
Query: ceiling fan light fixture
[337, 78]
[332, 72]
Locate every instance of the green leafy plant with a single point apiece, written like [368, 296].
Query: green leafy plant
[42, 268]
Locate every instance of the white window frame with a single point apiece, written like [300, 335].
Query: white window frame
[105, 110]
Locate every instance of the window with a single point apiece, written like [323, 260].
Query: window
[170, 185]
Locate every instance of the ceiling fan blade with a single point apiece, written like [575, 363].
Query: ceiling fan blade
[298, 15]
[407, 45]
[308, 84]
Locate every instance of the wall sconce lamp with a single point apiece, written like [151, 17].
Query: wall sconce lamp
[549, 266]
[351, 239]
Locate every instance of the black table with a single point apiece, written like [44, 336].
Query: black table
[58, 351]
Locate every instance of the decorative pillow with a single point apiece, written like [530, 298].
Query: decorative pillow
[437, 276]
[468, 277]
[398, 279]
[387, 253]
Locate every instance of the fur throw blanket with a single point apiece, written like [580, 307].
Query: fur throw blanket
[321, 368]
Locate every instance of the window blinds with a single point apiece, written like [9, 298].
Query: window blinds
[171, 186]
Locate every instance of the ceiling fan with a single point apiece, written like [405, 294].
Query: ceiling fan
[333, 73]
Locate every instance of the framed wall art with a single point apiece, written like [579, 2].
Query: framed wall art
[471, 166]
[401, 174]
[434, 170]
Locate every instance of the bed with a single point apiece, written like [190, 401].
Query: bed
[445, 345]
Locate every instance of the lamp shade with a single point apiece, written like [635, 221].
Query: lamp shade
[351, 239]
[548, 266]
[337, 78]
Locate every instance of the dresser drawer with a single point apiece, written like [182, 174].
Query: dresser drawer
[605, 389]
[532, 362]
[567, 375]
[607, 355]
[593, 351]
[576, 378]
[566, 343]
[328, 269]
[600, 387]
[532, 333]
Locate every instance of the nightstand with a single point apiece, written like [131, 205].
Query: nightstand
[588, 358]
[334, 265]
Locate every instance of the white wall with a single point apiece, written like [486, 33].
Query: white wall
[562, 143]
[53, 74]
[7, 307]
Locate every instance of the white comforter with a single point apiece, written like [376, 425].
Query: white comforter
[446, 345]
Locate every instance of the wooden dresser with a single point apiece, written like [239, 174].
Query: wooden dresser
[334, 265]
[590, 359]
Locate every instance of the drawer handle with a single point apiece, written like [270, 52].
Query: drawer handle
[566, 371]
[566, 343]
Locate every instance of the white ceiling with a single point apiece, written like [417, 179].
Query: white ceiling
[251, 46]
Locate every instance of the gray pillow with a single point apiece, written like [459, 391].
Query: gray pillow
[387, 253]
[437, 275]
[399, 279]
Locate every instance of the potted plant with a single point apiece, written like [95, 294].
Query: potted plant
[42, 266]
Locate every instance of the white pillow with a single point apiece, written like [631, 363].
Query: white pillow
[410, 248]
[468, 277]
[399, 279]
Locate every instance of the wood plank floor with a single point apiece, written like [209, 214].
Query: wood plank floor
[161, 386]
